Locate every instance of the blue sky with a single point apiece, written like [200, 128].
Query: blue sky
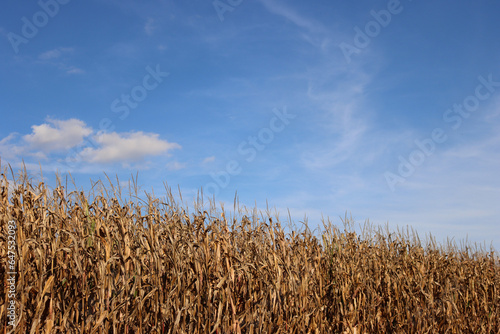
[388, 110]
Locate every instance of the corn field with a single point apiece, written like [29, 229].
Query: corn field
[96, 263]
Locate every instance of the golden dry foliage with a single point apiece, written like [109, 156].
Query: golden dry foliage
[90, 264]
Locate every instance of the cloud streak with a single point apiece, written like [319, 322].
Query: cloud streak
[288, 13]
[55, 53]
[59, 57]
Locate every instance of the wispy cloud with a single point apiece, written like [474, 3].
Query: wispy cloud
[175, 165]
[313, 32]
[208, 160]
[336, 93]
[55, 53]
[9, 150]
[74, 70]
[150, 26]
[279, 8]
[60, 58]
[342, 118]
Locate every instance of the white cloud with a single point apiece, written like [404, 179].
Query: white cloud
[344, 116]
[175, 165]
[149, 26]
[280, 9]
[74, 70]
[128, 147]
[208, 160]
[57, 135]
[314, 32]
[55, 57]
[55, 53]
[9, 150]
